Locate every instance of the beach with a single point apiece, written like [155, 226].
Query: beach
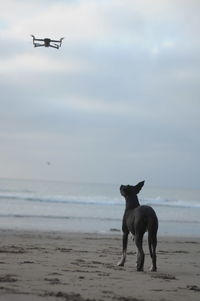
[62, 241]
[82, 266]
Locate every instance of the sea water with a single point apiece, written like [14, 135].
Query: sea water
[88, 207]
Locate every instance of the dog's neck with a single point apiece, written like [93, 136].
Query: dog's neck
[132, 202]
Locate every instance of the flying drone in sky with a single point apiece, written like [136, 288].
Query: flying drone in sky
[46, 42]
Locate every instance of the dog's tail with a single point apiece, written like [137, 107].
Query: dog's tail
[152, 236]
[150, 244]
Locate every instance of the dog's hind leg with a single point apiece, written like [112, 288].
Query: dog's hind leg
[152, 241]
[124, 249]
[152, 238]
[140, 252]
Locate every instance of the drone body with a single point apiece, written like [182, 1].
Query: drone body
[47, 42]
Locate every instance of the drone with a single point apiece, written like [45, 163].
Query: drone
[47, 42]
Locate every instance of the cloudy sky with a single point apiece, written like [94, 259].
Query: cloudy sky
[117, 103]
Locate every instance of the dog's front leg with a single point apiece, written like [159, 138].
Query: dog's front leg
[124, 249]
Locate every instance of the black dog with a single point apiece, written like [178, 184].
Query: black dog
[137, 220]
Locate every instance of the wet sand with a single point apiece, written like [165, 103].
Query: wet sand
[42, 266]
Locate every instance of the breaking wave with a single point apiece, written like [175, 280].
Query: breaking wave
[94, 200]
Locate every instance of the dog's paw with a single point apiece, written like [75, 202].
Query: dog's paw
[120, 263]
[140, 269]
[153, 269]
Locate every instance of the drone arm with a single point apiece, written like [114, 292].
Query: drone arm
[57, 41]
[40, 40]
[54, 46]
[38, 45]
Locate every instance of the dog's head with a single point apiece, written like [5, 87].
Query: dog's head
[128, 190]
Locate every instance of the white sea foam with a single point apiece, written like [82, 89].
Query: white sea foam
[93, 200]
[88, 207]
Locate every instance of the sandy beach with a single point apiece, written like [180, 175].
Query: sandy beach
[71, 266]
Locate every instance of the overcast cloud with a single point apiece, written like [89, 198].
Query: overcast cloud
[118, 102]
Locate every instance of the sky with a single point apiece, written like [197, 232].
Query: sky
[117, 103]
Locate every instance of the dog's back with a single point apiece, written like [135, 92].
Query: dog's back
[142, 218]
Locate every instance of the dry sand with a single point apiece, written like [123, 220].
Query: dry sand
[37, 266]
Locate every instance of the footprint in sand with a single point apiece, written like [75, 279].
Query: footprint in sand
[164, 276]
[12, 250]
[8, 278]
[193, 288]
[53, 280]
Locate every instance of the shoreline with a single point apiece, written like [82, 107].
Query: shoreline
[111, 232]
[76, 266]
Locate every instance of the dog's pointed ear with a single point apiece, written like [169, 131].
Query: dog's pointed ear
[138, 187]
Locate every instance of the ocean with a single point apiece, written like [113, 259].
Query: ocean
[88, 207]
